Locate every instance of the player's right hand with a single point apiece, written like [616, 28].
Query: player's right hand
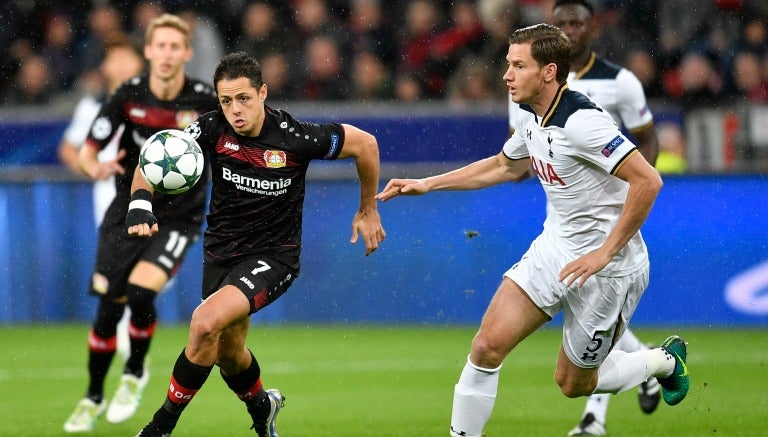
[402, 187]
[140, 220]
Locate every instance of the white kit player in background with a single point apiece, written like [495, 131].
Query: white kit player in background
[121, 62]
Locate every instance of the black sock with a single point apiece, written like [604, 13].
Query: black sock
[140, 340]
[246, 384]
[142, 326]
[186, 380]
[102, 343]
[98, 365]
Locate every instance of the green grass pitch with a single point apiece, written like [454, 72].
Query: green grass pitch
[383, 381]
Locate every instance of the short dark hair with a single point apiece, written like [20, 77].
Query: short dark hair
[584, 3]
[236, 65]
[549, 45]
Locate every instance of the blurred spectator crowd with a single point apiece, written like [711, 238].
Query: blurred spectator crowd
[690, 52]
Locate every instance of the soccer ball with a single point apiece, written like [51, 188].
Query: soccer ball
[171, 161]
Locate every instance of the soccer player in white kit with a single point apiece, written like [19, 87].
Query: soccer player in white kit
[620, 93]
[590, 261]
[122, 61]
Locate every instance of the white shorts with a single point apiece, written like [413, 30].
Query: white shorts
[594, 316]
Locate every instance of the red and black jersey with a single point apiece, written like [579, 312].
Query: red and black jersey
[143, 114]
[257, 197]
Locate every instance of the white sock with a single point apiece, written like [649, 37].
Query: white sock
[473, 399]
[629, 343]
[660, 363]
[622, 371]
[597, 404]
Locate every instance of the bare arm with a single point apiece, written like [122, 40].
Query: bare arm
[69, 155]
[644, 185]
[363, 147]
[647, 142]
[480, 174]
[91, 167]
[137, 220]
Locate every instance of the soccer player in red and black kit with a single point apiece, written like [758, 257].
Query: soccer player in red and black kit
[259, 157]
[131, 270]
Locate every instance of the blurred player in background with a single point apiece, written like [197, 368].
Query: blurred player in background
[122, 61]
[259, 157]
[620, 93]
[129, 270]
[590, 261]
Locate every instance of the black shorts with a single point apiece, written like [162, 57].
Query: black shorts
[119, 252]
[261, 280]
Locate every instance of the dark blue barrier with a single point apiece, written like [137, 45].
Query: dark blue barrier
[30, 143]
[705, 235]
[401, 138]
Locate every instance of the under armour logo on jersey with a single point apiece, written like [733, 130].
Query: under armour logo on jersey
[528, 133]
[588, 356]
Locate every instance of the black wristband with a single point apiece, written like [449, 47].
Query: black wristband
[142, 194]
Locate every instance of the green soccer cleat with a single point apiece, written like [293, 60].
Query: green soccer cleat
[675, 386]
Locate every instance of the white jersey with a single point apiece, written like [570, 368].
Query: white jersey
[614, 88]
[575, 150]
[76, 133]
[611, 86]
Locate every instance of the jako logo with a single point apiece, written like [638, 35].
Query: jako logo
[232, 146]
[247, 282]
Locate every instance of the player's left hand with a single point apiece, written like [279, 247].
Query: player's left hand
[368, 224]
[140, 221]
[583, 267]
[402, 187]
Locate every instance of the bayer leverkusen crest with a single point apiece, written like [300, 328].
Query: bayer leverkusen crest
[184, 118]
[274, 158]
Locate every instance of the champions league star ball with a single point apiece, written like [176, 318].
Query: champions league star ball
[171, 161]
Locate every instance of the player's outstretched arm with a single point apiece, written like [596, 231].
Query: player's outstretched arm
[480, 174]
[364, 148]
[140, 220]
[96, 170]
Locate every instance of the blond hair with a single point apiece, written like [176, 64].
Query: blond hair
[172, 21]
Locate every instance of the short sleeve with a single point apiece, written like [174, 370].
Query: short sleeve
[632, 104]
[85, 112]
[514, 147]
[107, 123]
[596, 139]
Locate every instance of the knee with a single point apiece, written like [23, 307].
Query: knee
[486, 352]
[204, 326]
[574, 387]
[140, 298]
